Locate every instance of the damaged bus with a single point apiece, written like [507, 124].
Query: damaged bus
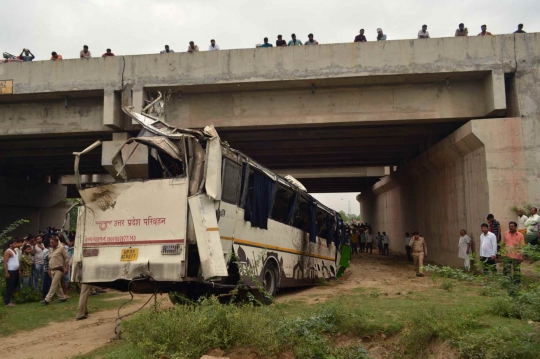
[205, 218]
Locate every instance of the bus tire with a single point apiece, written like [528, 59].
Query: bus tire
[269, 282]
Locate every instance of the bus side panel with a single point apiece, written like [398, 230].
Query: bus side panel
[300, 261]
[133, 228]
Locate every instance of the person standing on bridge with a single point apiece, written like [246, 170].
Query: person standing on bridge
[192, 47]
[408, 246]
[361, 37]
[520, 30]
[26, 55]
[464, 249]
[213, 46]
[484, 31]
[107, 53]
[266, 43]
[423, 34]
[85, 53]
[419, 252]
[386, 244]
[294, 41]
[380, 35]
[167, 50]
[311, 41]
[55, 56]
[462, 30]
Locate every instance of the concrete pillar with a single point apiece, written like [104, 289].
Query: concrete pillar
[477, 170]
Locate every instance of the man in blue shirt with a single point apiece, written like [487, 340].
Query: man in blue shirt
[379, 242]
[266, 44]
[294, 42]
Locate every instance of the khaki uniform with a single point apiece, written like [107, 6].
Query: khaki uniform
[57, 259]
[83, 300]
[419, 250]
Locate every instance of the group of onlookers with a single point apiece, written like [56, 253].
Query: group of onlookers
[32, 262]
[27, 55]
[494, 244]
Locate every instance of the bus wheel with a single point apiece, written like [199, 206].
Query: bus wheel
[269, 283]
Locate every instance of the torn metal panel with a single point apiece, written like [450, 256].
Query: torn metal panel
[208, 237]
[158, 126]
[213, 168]
[160, 143]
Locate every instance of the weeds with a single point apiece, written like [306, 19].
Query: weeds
[447, 284]
[189, 331]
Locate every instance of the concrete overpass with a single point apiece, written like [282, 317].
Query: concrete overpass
[456, 116]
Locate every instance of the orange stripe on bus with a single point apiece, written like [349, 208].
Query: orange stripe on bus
[269, 246]
[212, 229]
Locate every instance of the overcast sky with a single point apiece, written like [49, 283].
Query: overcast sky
[132, 27]
[142, 27]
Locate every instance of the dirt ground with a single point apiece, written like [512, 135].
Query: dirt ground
[391, 275]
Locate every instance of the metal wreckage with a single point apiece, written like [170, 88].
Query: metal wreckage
[204, 218]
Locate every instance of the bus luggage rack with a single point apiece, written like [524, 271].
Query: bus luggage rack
[171, 249]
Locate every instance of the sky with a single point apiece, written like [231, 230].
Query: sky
[131, 27]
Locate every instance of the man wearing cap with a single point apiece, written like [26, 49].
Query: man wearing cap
[380, 35]
[280, 41]
[294, 41]
[311, 41]
[419, 252]
[213, 46]
[423, 34]
[462, 30]
[484, 31]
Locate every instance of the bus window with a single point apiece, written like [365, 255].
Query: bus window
[283, 204]
[322, 223]
[260, 199]
[302, 216]
[231, 181]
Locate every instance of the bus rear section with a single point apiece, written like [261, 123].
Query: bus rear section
[133, 230]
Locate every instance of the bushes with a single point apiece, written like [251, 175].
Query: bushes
[192, 330]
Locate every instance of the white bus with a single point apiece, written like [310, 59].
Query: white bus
[204, 218]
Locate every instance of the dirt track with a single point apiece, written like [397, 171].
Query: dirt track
[67, 339]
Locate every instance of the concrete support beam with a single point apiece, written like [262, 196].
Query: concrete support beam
[332, 172]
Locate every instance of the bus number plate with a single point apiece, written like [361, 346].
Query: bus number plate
[129, 254]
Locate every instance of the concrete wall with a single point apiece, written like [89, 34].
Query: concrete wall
[477, 170]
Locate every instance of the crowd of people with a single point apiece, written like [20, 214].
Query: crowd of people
[27, 55]
[495, 246]
[41, 263]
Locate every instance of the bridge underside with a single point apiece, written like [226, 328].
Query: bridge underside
[285, 150]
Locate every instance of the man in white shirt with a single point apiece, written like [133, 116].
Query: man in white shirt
[423, 34]
[533, 224]
[488, 248]
[167, 50]
[213, 46]
[386, 244]
[522, 219]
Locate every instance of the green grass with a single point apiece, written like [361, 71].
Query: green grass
[471, 323]
[28, 316]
